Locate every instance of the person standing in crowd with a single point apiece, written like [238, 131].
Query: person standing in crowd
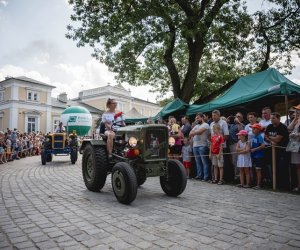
[257, 154]
[277, 135]
[243, 158]
[200, 135]
[186, 156]
[175, 132]
[2, 150]
[294, 128]
[265, 122]
[207, 119]
[8, 148]
[108, 120]
[252, 119]
[291, 116]
[216, 154]
[266, 117]
[233, 140]
[216, 119]
[186, 126]
[150, 120]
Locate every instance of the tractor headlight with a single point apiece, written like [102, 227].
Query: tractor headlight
[132, 141]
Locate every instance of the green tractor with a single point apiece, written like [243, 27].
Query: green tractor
[139, 152]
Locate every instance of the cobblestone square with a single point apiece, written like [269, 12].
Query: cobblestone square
[49, 207]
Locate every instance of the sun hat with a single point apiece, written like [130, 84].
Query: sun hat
[256, 125]
[297, 107]
[242, 132]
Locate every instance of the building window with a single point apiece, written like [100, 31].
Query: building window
[32, 95]
[31, 124]
[1, 95]
[121, 106]
[55, 123]
[142, 111]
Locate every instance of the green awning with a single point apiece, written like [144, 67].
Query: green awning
[172, 108]
[248, 89]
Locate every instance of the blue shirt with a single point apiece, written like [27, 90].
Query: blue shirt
[256, 141]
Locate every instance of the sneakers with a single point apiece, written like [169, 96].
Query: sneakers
[221, 182]
[257, 187]
[198, 177]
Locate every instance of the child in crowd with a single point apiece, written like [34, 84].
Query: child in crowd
[30, 148]
[37, 146]
[244, 158]
[175, 150]
[216, 154]
[186, 156]
[2, 150]
[8, 148]
[257, 153]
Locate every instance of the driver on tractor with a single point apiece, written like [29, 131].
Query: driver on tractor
[110, 122]
[60, 128]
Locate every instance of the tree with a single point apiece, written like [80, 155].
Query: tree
[190, 47]
[277, 32]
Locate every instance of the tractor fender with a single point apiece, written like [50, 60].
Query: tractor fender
[92, 142]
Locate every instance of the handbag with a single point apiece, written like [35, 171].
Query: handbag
[293, 145]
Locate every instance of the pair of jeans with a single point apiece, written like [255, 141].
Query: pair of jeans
[202, 161]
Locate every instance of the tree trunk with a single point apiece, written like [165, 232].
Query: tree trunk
[195, 54]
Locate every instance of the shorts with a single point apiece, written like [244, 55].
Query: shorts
[107, 132]
[187, 164]
[257, 163]
[8, 150]
[1, 150]
[217, 161]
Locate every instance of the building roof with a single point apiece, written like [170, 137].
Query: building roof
[133, 113]
[27, 79]
[58, 104]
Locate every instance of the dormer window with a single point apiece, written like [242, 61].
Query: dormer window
[32, 96]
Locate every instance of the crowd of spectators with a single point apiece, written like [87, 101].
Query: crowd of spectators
[15, 145]
[238, 149]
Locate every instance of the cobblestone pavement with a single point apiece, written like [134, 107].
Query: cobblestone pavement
[48, 207]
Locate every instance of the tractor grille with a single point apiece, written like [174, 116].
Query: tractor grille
[59, 141]
[156, 145]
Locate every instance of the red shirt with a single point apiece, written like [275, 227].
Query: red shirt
[216, 142]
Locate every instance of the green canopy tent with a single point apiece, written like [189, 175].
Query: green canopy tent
[176, 107]
[251, 92]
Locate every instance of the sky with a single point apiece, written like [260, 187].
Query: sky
[33, 44]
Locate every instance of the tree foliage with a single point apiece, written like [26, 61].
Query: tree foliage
[190, 47]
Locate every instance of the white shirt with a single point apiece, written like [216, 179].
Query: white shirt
[202, 139]
[60, 130]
